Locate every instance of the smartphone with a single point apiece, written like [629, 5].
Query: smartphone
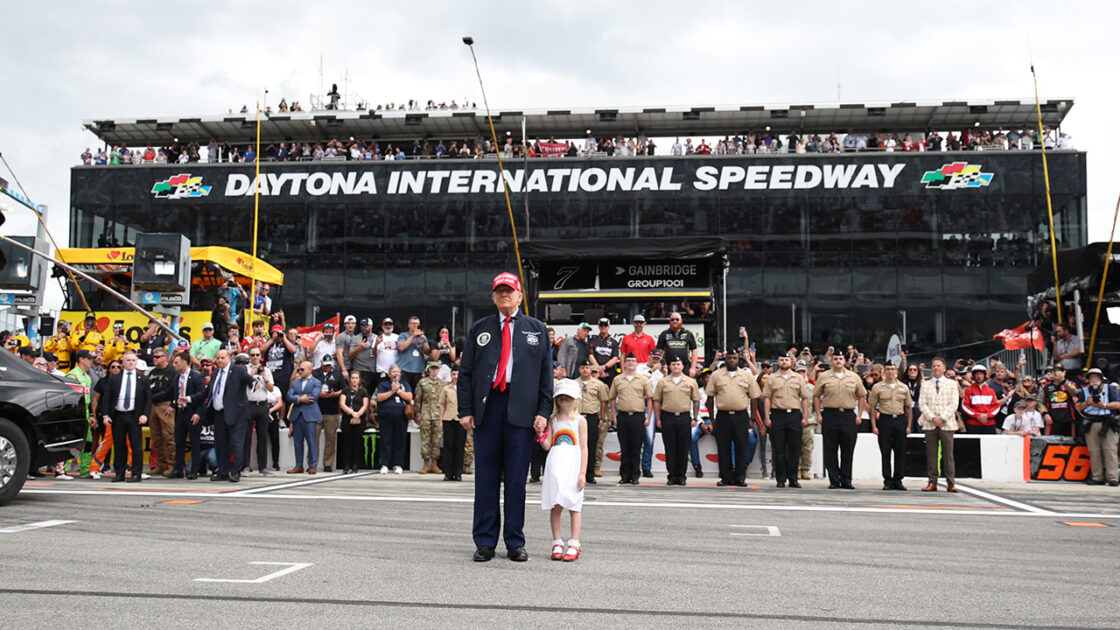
[443, 337]
[742, 330]
[752, 346]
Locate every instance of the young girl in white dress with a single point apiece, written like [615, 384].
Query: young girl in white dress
[565, 470]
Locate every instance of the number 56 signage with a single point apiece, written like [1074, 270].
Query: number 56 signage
[1058, 461]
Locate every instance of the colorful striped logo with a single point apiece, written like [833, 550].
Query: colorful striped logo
[564, 436]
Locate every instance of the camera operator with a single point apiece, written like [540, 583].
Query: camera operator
[1099, 405]
[260, 384]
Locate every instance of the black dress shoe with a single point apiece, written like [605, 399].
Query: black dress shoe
[234, 478]
[793, 483]
[888, 485]
[1113, 484]
[741, 484]
[680, 481]
[699, 472]
[847, 486]
[192, 476]
[898, 486]
[647, 473]
[592, 481]
[118, 478]
[483, 554]
[833, 486]
[174, 475]
[133, 479]
[721, 483]
[326, 469]
[217, 477]
[518, 554]
[781, 484]
[534, 479]
[1093, 482]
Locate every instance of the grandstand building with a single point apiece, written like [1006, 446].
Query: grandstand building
[806, 248]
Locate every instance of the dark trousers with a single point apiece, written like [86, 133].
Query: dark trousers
[785, 438]
[501, 455]
[126, 426]
[229, 441]
[350, 446]
[536, 462]
[838, 432]
[592, 442]
[454, 443]
[394, 429]
[676, 433]
[258, 423]
[731, 428]
[892, 440]
[631, 432]
[978, 429]
[274, 440]
[184, 428]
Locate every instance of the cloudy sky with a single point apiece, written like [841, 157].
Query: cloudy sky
[66, 62]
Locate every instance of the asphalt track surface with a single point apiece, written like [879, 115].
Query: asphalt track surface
[346, 551]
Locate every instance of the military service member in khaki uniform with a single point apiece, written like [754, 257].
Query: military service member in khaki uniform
[731, 392]
[593, 406]
[809, 430]
[454, 435]
[836, 401]
[428, 417]
[891, 412]
[785, 407]
[676, 405]
[630, 397]
[604, 426]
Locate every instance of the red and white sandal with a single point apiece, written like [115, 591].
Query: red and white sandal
[572, 554]
[558, 552]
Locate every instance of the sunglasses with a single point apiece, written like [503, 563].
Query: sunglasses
[254, 354]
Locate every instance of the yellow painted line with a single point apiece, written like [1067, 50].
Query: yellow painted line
[1083, 524]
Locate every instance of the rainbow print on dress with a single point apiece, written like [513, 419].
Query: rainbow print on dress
[564, 436]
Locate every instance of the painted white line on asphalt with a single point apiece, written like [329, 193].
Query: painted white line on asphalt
[292, 567]
[23, 528]
[622, 504]
[1008, 502]
[767, 530]
[293, 484]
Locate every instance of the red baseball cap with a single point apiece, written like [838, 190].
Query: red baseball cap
[507, 279]
[277, 328]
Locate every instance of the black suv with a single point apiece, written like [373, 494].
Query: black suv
[42, 422]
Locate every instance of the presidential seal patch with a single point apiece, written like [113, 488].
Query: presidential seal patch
[482, 339]
[532, 340]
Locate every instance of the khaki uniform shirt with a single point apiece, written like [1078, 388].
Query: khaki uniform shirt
[676, 397]
[785, 393]
[732, 391]
[593, 393]
[892, 401]
[631, 392]
[449, 400]
[839, 392]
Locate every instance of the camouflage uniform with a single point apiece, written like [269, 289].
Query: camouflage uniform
[427, 416]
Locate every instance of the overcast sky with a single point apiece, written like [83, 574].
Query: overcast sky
[66, 62]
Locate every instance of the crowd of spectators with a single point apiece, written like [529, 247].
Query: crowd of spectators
[743, 143]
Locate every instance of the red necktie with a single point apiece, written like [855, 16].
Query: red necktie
[503, 359]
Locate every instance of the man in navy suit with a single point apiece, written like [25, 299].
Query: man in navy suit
[186, 393]
[303, 396]
[227, 404]
[507, 407]
[125, 408]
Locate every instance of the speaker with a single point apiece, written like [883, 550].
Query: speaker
[162, 263]
[19, 268]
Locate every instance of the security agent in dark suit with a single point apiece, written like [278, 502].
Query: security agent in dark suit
[227, 405]
[505, 395]
[125, 408]
[187, 393]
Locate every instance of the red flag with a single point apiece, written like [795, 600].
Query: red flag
[553, 149]
[1021, 338]
[310, 335]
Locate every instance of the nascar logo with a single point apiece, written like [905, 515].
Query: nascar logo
[957, 175]
[181, 186]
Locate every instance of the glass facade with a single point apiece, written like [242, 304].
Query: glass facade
[845, 263]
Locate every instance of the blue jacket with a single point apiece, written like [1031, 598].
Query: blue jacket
[309, 412]
[530, 392]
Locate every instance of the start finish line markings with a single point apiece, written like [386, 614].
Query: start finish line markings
[291, 567]
[23, 528]
[759, 530]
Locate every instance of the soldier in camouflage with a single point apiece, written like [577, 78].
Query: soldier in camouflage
[428, 417]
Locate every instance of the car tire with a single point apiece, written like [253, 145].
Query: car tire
[15, 460]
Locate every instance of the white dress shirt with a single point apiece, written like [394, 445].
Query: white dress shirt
[128, 384]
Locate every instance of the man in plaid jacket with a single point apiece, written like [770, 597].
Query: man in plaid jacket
[938, 400]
